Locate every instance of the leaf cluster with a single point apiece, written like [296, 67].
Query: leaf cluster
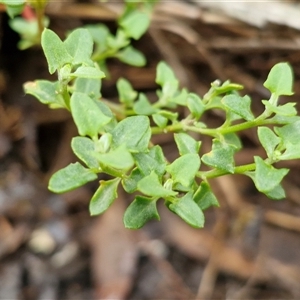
[115, 138]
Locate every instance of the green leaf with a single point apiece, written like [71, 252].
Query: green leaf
[280, 80]
[28, 30]
[277, 193]
[88, 86]
[173, 117]
[139, 212]
[131, 56]
[143, 107]
[266, 176]
[188, 210]
[87, 115]
[14, 8]
[181, 98]
[135, 23]
[226, 87]
[268, 139]
[151, 186]
[55, 51]
[154, 160]
[164, 74]
[195, 105]
[204, 196]
[292, 152]
[134, 132]
[239, 105]
[84, 148]
[88, 72]
[160, 120]
[127, 94]
[130, 182]
[234, 140]
[186, 144]
[287, 109]
[103, 144]
[104, 196]
[169, 89]
[119, 158]
[184, 169]
[70, 177]
[45, 91]
[283, 120]
[114, 43]
[289, 133]
[99, 33]
[221, 156]
[79, 45]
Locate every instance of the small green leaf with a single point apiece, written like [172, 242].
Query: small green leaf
[55, 51]
[131, 56]
[160, 120]
[204, 196]
[88, 72]
[195, 105]
[84, 148]
[14, 8]
[127, 94]
[280, 80]
[184, 169]
[173, 117]
[79, 45]
[103, 144]
[277, 193]
[28, 30]
[221, 156]
[289, 133]
[292, 152]
[268, 139]
[226, 87]
[139, 212]
[45, 91]
[134, 132]
[114, 43]
[287, 109]
[151, 186]
[154, 160]
[104, 196]
[234, 140]
[143, 106]
[135, 23]
[70, 178]
[88, 86]
[188, 210]
[119, 158]
[87, 115]
[164, 74]
[239, 105]
[186, 144]
[130, 182]
[99, 33]
[181, 98]
[169, 89]
[266, 176]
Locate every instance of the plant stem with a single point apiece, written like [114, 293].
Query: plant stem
[217, 172]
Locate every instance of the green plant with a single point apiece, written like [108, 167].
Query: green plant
[115, 138]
